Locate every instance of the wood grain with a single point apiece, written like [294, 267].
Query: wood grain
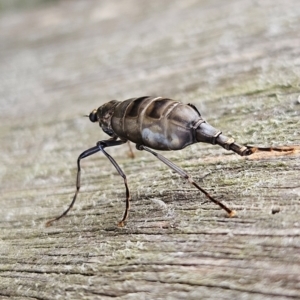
[238, 62]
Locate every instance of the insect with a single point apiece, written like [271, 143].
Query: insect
[154, 123]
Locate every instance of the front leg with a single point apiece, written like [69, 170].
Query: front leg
[110, 143]
[99, 147]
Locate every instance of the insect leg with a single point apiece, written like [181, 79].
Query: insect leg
[84, 154]
[187, 177]
[130, 154]
[101, 145]
[289, 149]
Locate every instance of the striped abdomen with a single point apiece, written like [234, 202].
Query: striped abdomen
[156, 122]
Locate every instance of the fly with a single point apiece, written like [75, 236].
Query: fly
[155, 123]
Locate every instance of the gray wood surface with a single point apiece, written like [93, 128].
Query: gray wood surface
[238, 62]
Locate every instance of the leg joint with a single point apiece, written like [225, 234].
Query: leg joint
[139, 147]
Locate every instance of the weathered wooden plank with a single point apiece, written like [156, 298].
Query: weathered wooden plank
[238, 62]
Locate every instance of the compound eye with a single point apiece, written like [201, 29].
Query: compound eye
[93, 116]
